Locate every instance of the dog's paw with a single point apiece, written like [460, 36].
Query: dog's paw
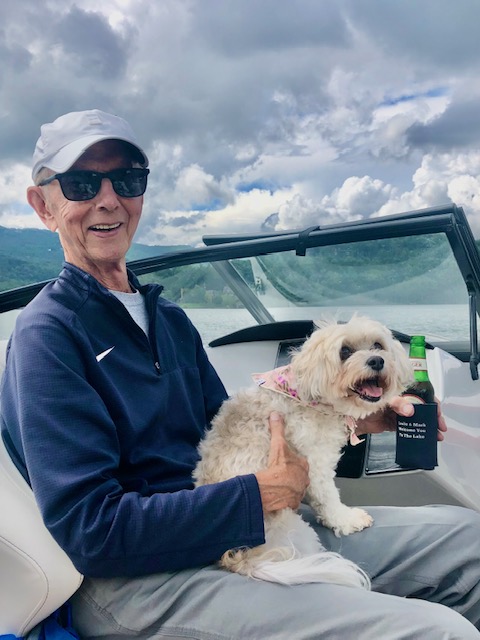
[348, 521]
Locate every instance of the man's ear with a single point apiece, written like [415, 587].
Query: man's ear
[36, 200]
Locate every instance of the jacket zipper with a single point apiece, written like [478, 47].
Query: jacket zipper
[150, 301]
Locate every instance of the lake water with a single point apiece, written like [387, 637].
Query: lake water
[449, 322]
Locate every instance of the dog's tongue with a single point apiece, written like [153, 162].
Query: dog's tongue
[370, 389]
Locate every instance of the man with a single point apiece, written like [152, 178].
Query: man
[106, 393]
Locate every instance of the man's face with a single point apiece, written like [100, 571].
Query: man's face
[95, 234]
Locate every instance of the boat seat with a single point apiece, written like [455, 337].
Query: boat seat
[36, 576]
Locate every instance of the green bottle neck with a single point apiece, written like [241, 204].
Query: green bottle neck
[418, 351]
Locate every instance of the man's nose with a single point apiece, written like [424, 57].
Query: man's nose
[107, 196]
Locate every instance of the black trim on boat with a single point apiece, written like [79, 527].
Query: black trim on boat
[283, 330]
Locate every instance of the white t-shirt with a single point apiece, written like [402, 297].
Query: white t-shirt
[135, 305]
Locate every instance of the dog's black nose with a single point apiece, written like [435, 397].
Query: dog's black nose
[376, 363]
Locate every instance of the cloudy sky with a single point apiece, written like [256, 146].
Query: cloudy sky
[256, 114]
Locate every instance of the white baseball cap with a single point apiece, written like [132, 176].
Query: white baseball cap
[63, 141]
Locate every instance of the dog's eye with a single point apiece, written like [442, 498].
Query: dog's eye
[377, 345]
[345, 353]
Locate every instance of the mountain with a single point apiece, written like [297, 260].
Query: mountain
[33, 255]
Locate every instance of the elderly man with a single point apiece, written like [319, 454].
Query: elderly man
[106, 393]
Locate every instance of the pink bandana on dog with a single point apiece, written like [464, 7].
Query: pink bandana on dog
[282, 381]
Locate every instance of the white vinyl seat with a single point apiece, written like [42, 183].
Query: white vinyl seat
[36, 576]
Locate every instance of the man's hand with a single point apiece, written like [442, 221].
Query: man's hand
[284, 482]
[387, 420]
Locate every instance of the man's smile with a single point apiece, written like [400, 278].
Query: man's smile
[105, 227]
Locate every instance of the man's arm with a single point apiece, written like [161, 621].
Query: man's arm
[102, 495]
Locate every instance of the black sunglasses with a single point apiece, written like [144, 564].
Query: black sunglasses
[84, 185]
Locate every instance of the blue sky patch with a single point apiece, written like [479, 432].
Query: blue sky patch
[436, 92]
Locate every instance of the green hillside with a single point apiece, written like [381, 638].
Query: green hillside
[33, 255]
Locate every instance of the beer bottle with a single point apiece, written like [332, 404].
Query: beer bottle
[421, 391]
[417, 434]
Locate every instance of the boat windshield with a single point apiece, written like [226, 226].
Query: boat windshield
[412, 284]
[417, 272]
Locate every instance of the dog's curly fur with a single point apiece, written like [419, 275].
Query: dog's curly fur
[352, 369]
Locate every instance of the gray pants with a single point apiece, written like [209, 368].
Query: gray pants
[416, 557]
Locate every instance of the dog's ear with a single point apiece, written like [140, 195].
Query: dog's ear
[325, 321]
[316, 364]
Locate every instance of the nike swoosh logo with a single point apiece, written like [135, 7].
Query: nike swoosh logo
[102, 355]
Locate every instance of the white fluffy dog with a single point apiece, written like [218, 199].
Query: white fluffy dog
[343, 372]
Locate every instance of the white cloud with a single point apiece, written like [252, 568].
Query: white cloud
[14, 181]
[195, 187]
[357, 195]
[17, 220]
[298, 212]
[14, 211]
[441, 179]
[352, 201]
[298, 110]
[245, 214]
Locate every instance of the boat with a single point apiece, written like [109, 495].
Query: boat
[418, 272]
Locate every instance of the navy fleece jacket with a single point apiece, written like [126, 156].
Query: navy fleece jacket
[104, 424]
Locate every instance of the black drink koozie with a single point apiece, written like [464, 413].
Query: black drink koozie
[417, 438]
